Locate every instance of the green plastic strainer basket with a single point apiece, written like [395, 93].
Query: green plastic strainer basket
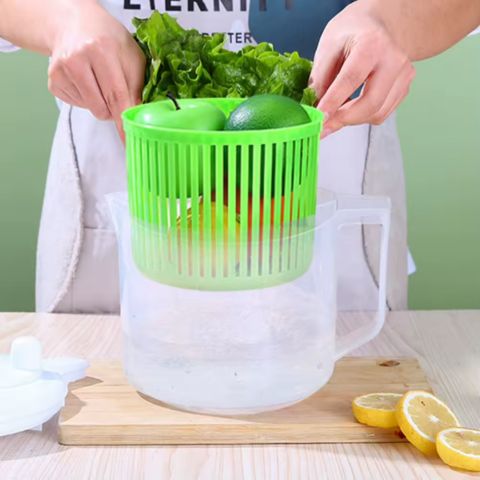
[218, 210]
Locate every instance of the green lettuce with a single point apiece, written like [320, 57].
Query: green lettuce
[191, 65]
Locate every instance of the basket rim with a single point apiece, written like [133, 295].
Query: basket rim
[297, 131]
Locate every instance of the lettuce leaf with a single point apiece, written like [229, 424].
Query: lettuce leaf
[189, 65]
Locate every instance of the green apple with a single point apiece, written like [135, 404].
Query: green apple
[187, 114]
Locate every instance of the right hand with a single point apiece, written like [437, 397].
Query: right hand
[356, 49]
[96, 64]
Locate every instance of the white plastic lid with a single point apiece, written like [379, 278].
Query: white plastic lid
[32, 389]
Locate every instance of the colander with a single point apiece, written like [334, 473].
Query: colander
[222, 210]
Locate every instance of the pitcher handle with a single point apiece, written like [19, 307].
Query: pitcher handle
[365, 210]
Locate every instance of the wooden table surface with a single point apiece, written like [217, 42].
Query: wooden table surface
[447, 344]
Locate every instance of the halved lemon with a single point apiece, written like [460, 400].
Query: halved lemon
[376, 409]
[460, 448]
[420, 416]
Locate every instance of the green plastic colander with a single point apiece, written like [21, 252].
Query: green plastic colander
[218, 210]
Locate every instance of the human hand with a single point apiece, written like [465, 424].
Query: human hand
[356, 49]
[96, 64]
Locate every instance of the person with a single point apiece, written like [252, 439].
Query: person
[97, 70]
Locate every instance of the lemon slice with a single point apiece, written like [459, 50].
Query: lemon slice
[420, 416]
[376, 409]
[460, 448]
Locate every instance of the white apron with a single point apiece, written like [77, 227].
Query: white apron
[76, 259]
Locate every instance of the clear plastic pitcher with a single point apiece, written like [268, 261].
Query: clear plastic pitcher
[248, 350]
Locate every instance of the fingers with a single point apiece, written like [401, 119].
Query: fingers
[113, 84]
[95, 84]
[398, 92]
[133, 66]
[72, 80]
[121, 132]
[326, 65]
[372, 98]
[353, 73]
[61, 85]
[92, 95]
[96, 64]
[64, 95]
[382, 93]
[93, 79]
[357, 51]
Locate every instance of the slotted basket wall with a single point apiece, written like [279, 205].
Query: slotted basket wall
[222, 210]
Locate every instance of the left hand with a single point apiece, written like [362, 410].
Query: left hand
[357, 49]
[96, 64]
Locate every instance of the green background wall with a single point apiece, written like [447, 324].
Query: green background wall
[440, 131]
[439, 127]
[27, 123]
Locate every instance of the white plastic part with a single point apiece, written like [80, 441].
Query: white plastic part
[26, 354]
[69, 368]
[33, 390]
[364, 210]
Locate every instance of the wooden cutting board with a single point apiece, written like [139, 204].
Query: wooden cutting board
[103, 409]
